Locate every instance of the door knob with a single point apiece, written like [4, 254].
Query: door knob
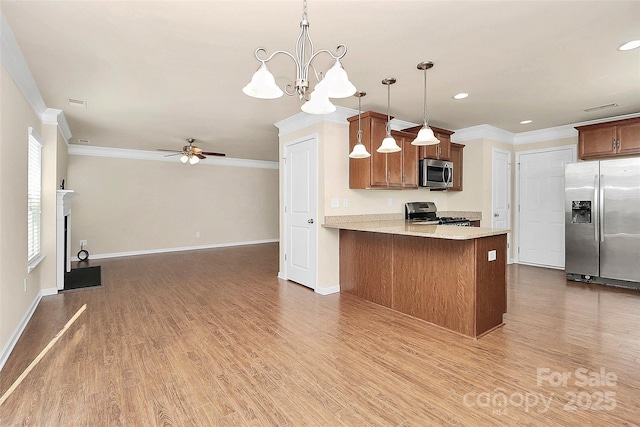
[496, 215]
[310, 221]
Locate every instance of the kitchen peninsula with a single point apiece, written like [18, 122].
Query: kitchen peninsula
[453, 277]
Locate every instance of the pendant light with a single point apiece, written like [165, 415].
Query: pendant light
[389, 144]
[359, 150]
[425, 136]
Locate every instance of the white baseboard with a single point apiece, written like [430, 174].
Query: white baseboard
[49, 291]
[281, 276]
[328, 291]
[167, 250]
[8, 348]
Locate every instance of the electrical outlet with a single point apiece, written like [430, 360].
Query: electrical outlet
[335, 202]
[389, 201]
[492, 255]
[83, 243]
[197, 234]
[25, 284]
[345, 203]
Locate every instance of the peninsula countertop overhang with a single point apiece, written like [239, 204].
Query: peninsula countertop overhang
[407, 228]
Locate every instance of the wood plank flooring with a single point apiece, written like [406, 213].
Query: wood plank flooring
[212, 337]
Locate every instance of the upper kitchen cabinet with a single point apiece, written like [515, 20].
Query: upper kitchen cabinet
[458, 161]
[381, 171]
[617, 138]
[440, 151]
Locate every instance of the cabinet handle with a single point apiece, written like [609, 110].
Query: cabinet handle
[614, 144]
[388, 176]
[404, 177]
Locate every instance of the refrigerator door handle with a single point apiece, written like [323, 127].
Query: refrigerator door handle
[601, 213]
[596, 209]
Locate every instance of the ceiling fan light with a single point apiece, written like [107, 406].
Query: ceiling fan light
[184, 158]
[388, 145]
[359, 152]
[337, 81]
[425, 137]
[318, 102]
[194, 160]
[263, 85]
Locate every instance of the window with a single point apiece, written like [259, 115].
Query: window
[34, 200]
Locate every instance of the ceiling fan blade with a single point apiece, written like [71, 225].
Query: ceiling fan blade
[173, 151]
[209, 153]
[198, 155]
[174, 154]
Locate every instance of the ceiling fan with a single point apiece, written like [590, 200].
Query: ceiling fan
[190, 153]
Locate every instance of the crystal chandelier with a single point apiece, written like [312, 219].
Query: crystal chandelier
[335, 83]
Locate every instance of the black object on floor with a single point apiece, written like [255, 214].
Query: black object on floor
[82, 278]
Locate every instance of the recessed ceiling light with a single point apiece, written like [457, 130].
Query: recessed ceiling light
[633, 44]
[526, 122]
[461, 95]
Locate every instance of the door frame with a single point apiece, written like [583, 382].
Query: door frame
[574, 158]
[509, 211]
[285, 222]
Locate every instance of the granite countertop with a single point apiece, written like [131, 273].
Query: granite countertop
[402, 227]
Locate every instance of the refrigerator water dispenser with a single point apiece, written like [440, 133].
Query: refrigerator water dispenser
[581, 211]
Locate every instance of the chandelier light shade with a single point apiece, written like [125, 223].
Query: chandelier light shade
[263, 85]
[425, 136]
[389, 144]
[184, 158]
[336, 81]
[318, 102]
[194, 159]
[359, 150]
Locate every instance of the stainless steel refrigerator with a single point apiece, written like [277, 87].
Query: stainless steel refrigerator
[602, 222]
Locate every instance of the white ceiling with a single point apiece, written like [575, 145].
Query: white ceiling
[155, 73]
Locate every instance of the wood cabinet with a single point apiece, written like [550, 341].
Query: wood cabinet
[610, 139]
[440, 151]
[449, 283]
[457, 160]
[381, 170]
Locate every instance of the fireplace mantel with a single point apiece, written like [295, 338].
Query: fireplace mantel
[63, 240]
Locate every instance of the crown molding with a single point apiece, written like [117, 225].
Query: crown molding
[13, 60]
[159, 156]
[52, 116]
[483, 132]
[15, 64]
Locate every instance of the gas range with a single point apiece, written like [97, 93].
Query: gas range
[427, 213]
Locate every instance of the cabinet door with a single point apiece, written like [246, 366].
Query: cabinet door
[379, 161]
[409, 164]
[457, 159]
[440, 151]
[629, 138]
[597, 142]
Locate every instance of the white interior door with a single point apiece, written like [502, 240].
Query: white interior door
[541, 206]
[501, 167]
[301, 212]
[501, 193]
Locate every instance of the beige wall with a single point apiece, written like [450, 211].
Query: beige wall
[17, 117]
[126, 205]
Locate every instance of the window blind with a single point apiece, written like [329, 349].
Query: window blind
[34, 198]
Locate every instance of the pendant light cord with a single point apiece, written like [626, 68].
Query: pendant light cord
[388, 110]
[359, 134]
[425, 99]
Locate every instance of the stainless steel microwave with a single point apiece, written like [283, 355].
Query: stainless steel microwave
[436, 173]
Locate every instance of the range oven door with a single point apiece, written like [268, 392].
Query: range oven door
[436, 173]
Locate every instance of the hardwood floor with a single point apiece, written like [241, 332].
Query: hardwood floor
[212, 337]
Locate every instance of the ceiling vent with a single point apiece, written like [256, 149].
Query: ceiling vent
[83, 141]
[77, 103]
